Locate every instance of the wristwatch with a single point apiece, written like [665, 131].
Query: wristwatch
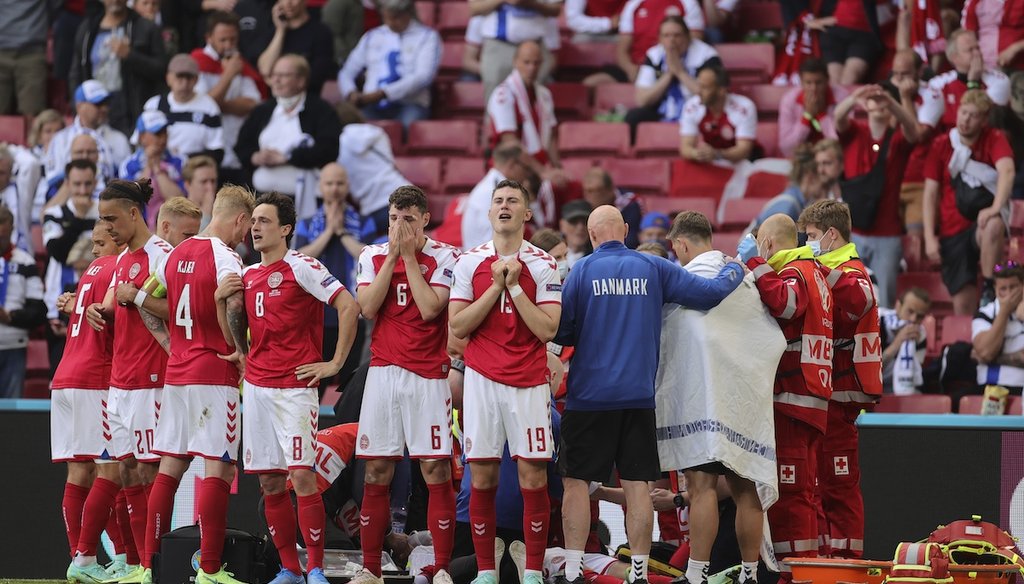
[678, 500]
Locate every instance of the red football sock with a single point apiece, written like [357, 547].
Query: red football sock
[441, 521]
[71, 508]
[281, 521]
[124, 524]
[95, 514]
[681, 556]
[482, 520]
[137, 510]
[374, 518]
[114, 532]
[158, 516]
[536, 517]
[213, 521]
[312, 519]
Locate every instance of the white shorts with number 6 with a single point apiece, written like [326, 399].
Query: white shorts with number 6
[133, 417]
[401, 408]
[495, 413]
[280, 426]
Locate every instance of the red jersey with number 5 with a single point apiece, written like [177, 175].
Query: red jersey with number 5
[191, 274]
[139, 361]
[285, 305]
[503, 348]
[86, 360]
[400, 335]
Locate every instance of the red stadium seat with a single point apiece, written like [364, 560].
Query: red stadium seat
[572, 101]
[612, 96]
[437, 205]
[657, 139]
[582, 139]
[577, 167]
[1017, 217]
[426, 11]
[915, 404]
[36, 388]
[444, 137]
[673, 205]
[765, 185]
[758, 15]
[748, 62]
[971, 404]
[37, 361]
[931, 282]
[768, 138]
[727, 242]
[577, 60]
[12, 130]
[462, 174]
[645, 176]
[422, 171]
[451, 59]
[738, 213]
[393, 128]
[694, 179]
[955, 328]
[452, 20]
[465, 100]
[766, 97]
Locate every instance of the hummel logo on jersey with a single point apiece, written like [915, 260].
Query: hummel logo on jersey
[314, 534]
[536, 526]
[444, 523]
[273, 532]
[479, 528]
[364, 521]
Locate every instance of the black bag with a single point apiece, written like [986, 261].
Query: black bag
[863, 193]
[971, 200]
[178, 560]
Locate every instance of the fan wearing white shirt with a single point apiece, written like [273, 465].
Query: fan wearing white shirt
[717, 124]
[400, 59]
[194, 118]
[507, 25]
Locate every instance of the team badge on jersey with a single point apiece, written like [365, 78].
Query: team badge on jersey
[197, 117]
[423, 269]
[364, 442]
[727, 133]
[275, 280]
[134, 270]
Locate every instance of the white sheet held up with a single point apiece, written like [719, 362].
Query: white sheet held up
[715, 385]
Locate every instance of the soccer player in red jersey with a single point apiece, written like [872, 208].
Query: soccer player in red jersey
[404, 286]
[136, 374]
[284, 298]
[80, 386]
[200, 415]
[506, 298]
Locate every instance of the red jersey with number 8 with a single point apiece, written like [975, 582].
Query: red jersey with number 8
[400, 335]
[285, 305]
[86, 360]
[191, 274]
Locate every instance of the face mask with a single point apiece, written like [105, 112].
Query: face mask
[563, 269]
[815, 246]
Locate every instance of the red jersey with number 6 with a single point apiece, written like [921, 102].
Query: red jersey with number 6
[86, 360]
[191, 274]
[503, 348]
[285, 305]
[400, 335]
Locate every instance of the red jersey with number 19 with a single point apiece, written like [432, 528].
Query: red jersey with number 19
[139, 361]
[400, 335]
[285, 305]
[86, 360]
[191, 274]
[503, 348]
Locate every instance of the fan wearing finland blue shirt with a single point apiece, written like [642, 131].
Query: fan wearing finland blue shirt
[611, 313]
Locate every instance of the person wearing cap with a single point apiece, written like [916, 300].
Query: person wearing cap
[573, 226]
[654, 229]
[508, 164]
[194, 119]
[152, 160]
[91, 103]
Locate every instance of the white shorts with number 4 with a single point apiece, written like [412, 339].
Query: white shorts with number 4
[133, 417]
[77, 418]
[401, 408]
[199, 420]
[280, 428]
[495, 413]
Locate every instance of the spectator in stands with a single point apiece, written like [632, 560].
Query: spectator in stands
[91, 103]
[593, 20]
[52, 192]
[977, 161]
[919, 28]
[1014, 127]
[997, 332]
[152, 160]
[23, 32]
[345, 19]
[504, 27]
[828, 157]
[471, 50]
[508, 164]
[969, 72]
[718, 125]
[44, 127]
[667, 77]
[904, 341]
[654, 229]
[22, 307]
[651, 248]
[877, 229]
[296, 33]
[399, 59]
[598, 189]
[194, 118]
[258, 29]
[983, 18]
[573, 226]
[805, 187]
[718, 14]
[553, 242]
[231, 81]
[805, 112]
[1011, 38]
[290, 136]
[640, 29]
[850, 39]
[10, 197]
[125, 53]
[199, 176]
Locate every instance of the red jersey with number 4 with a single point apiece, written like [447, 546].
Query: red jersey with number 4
[503, 348]
[400, 335]
[285, 305]
[86, 360]
[139, 361]
[191, 274]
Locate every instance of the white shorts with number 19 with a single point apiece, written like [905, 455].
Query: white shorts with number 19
[400, 408]
[494, 412]
[280, 427]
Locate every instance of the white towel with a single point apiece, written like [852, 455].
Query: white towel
[534, 139]
[971, 171]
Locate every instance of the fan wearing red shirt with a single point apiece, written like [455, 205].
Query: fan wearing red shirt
[717, 124]
[284, 298]
[506, 299]
[972, 153]
[404, 286]
[880, 244]
[80, 385]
